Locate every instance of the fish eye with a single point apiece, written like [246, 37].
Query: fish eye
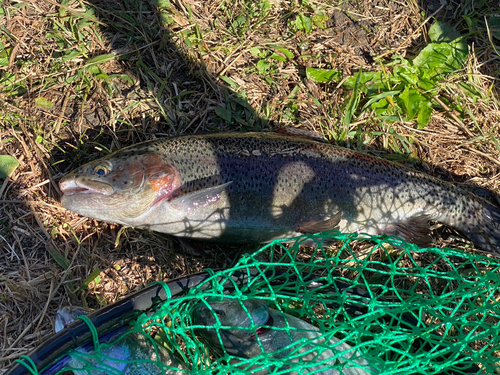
[101, 170]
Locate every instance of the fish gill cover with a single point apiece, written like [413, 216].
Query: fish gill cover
[397, 307]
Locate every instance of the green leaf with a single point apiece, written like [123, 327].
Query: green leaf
[494, 26]
[101, 58]
[255, 51]
[374, 100]
[442, 32]
[303, 23]
[411, 101]
[262, 66]
[94, 276]
[424, 113]
[320, 20]
[409, 74]
[70, 55]
[165, 4]
[323, 75]
[59, 258]
[471, 23]
[42, 102]
[436, 59]
[286, 52]
[7, 165]
[368, 82]
[230, 82]
[276, 56]
[223, 113]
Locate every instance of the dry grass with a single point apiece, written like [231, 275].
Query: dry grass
[171, 66]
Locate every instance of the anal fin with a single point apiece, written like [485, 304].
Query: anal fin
[415, 230]
[313, 227]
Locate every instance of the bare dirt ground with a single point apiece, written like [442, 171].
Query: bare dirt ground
[164, 78]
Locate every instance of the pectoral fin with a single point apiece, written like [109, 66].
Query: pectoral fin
[414, 230]
[312, 227]
[199, 198]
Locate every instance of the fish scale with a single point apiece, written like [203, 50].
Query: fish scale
[256, 187]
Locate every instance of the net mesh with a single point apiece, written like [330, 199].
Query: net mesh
[386, 307]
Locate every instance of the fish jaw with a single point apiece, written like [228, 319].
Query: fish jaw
[70, 185]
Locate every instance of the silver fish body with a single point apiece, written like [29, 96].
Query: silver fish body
[256, 187]
[131, 354]
[271, 338]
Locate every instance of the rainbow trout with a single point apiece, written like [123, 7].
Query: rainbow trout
[127, 353]
[268, 336]
[256, 187]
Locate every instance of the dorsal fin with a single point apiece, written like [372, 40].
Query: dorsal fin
[305, 134]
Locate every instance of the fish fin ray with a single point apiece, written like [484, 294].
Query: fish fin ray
[299, 133]
[415, 230]
[199, 198]
[313, 227]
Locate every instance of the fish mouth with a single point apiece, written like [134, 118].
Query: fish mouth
[70, 186]
[264, 329]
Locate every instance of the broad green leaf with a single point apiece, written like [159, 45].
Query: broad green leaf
[441, 58]
[4, 61]
[304, 23]
[442, 32]
[410, 98]
[286, 52]
[255, 51]
[380, 107]
[424, 112]
[323, 75]
[262, 66]
[7, 165]
[223, 113]
[42, 102]
[494, 26]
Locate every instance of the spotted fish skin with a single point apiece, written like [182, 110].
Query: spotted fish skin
[236, 318]
[256, 187]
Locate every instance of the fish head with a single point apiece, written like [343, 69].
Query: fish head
[120, 186]
[67, 315]
[238, 321]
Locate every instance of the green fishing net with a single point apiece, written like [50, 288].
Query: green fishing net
[404, 309]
